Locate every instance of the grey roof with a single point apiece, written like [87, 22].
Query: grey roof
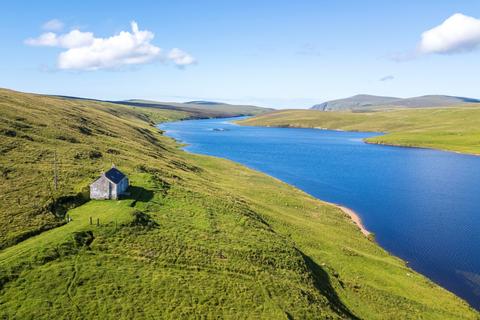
[114, 175]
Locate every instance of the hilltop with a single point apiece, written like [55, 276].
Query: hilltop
[198, 236]
[364, 102]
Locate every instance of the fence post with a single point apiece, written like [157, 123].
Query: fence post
[91, 222]
[98, 222]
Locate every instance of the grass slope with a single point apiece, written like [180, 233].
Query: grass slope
[452, 129]
[198, 237]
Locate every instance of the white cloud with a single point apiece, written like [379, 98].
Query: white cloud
[125, 48]
[53, 25]
[76, 39]
[48, 39]
[86, 52]
[457, 34]
[73, 39]
[180, 57]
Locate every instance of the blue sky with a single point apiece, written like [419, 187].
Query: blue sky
[272, 53]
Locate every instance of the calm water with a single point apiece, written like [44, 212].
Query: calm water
[423, 205]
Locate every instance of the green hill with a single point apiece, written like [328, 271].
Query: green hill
[199, 237]
[452, 129]
[201, 109]
[365, 102]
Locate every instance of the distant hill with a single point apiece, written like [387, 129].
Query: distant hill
[368, 102]
[203, 109]
[190, 109]
[211, 103]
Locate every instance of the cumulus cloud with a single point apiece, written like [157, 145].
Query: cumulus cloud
[458, 34]
[125, 48]
[53, 25]
[387, 78]
[73, 39]
[48, 39]
[84, 51]
[180, 57]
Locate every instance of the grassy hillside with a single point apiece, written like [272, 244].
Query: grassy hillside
[199, 237]
[201, 109]
[453, 129]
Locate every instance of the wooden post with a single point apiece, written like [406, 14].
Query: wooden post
[91, 222]
[98, 222]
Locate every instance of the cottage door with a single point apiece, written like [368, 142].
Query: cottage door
[109, 190]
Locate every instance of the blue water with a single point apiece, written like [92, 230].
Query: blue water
[423, 205]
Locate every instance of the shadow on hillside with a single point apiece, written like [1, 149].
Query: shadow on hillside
[138, 194]
[323, 284]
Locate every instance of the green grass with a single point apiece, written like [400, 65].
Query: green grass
[106, 213]
[452, 129]
[199, 237]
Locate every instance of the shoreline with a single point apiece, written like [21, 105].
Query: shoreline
[389, 144]
[355, 219]
[392, 144]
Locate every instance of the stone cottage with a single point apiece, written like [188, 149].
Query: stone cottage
[110, 185]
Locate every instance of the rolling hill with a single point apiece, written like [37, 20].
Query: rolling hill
[198, 237]
[200, 109]
[364, 102]
[203, 102]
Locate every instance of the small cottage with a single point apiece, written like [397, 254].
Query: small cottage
[110, 185]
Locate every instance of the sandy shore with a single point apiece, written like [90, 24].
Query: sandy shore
[355, 218]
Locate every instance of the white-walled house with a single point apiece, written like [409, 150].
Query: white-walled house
[110, 185]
